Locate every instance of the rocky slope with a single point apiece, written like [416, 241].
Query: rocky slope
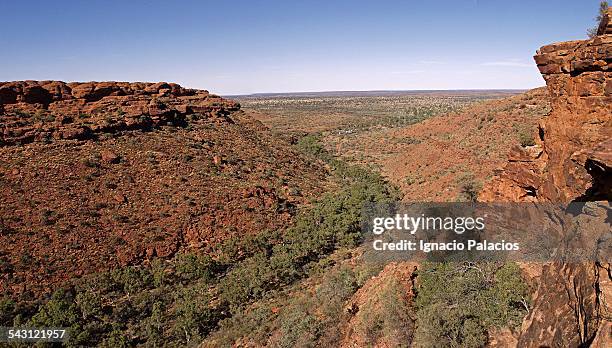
[97, 175]
[375, 301]
[454, 147]
[571, 161]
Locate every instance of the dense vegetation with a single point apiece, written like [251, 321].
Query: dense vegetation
[458, 303]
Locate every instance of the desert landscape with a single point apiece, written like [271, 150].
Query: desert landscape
[153, 214]
[467, 144]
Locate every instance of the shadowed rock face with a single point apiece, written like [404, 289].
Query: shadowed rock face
[42, 110]
[571, 161]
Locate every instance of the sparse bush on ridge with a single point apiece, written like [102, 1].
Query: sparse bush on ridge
[526, 138]
[603, 7]
[469, 188]
[388, 315]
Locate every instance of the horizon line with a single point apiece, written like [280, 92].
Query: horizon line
[381, 91]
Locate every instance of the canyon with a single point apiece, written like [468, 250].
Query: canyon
[151, 203]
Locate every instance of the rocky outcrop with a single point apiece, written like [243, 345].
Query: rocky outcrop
[570, 161]
[97, 176]
[569, 307]
[45, 110]
[572, 158]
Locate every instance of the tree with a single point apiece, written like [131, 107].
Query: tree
[603, 8]
[458, 303]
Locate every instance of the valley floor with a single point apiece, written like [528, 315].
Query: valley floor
[430, 146]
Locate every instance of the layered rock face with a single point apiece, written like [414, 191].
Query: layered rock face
[571, 161]
[572, 158]
[43, 110]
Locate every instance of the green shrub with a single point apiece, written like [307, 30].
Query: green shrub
[154, 325]
[195, 316]
[191, 267]
[256, 323]
[245, 282]
[59, 311]
[457, 303]
[603, 7]
[311, 144]
[132, 279]
[7, 308]
[117, 339]
[469, 188]
[89, 304]
[299, 329]
[526, 138]
[335, 288]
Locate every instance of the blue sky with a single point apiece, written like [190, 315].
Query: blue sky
[239, 47]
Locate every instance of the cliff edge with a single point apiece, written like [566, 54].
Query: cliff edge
[572, 158]
[570, 161]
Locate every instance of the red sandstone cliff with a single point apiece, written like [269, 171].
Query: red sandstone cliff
[571, 161]
[79, 110]
[572, 158]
